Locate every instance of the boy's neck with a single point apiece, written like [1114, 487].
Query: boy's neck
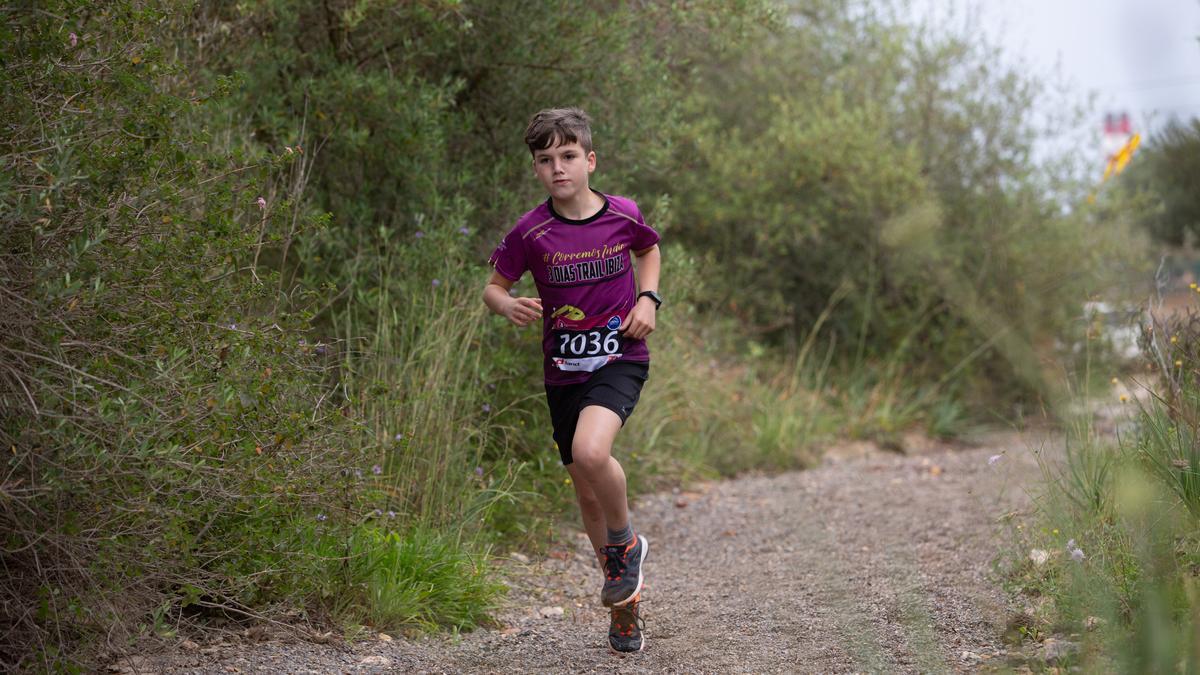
[582, 206]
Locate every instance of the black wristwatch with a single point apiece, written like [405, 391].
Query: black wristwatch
[653, 296]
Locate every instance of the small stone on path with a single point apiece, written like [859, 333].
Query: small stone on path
[550, 612]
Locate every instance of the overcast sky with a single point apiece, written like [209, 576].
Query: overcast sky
[1141, 57]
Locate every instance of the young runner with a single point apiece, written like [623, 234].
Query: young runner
[580, 246]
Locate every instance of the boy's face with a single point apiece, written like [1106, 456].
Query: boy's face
[563, 169]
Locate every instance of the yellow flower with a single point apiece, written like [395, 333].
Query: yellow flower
[566, 481]
[1124, 398]
[1055, 530]
[1178, 364]
[1174, 339]
[1114, 380]
[1192, 286]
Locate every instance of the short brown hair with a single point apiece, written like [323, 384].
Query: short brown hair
[555, 126]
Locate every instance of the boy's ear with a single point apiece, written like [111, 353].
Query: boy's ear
[591, 158]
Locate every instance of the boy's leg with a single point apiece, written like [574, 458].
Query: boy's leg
[593, 462]
[591, 511]
[591, 452]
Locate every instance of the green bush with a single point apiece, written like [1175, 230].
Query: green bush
[848, 149]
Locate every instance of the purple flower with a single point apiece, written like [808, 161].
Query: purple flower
[487, 407]
[419, 235]
[391, 514]
[73, 39]
[399, 437]
[464, 231]
[262, 203]
[994, 458]
[491, 386]
[321, 517]
[358, 473]
[437, 282]
[376, 513]
[320, 350]
[479, 471]
[377, 469]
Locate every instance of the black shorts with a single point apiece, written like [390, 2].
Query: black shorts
[616, 386]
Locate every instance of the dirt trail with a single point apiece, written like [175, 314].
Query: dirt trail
[877, 563]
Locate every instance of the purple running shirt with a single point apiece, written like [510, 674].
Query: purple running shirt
[583, 270]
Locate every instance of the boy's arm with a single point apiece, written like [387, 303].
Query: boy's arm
[520, 311]
[640, 321]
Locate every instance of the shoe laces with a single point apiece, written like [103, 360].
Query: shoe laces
[616, 561]
[627, 618]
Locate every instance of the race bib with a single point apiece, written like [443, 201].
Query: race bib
[586, 349]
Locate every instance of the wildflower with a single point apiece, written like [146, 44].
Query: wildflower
[358, 473]
[1178, 363]
[487, 407]
[321, 517]
[399, 437]
[566, 481]
[464, 231]
[1114, 380]
[419, 235]
[1054, 531]
[376, 513]
[1124, 398]
[1039, 556]
[391, 514]
[377, 469]
[1174, 339]
[994, 458]
[1191, 285]
[262, 203]
[1076, 552]
[491, 386]
[437, 282]
[74, 40]
[479, 471]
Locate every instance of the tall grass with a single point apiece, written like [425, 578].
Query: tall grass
[1121, 521]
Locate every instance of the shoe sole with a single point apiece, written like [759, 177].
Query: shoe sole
[641, 577]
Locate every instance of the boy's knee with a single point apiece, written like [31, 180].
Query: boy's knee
[589, 457]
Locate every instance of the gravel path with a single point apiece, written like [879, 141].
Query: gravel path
[874, 562]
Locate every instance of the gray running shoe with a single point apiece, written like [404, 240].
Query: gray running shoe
[623, 571]
[625, 631]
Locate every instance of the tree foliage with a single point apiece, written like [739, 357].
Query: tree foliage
[1165, 173]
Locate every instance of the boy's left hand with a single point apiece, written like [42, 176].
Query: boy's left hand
[640, 321]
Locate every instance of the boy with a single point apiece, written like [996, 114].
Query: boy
[578, 246]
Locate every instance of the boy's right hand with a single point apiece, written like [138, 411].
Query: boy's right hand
[523, 311]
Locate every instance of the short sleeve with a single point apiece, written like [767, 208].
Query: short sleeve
[509, 256]
[644, 236]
